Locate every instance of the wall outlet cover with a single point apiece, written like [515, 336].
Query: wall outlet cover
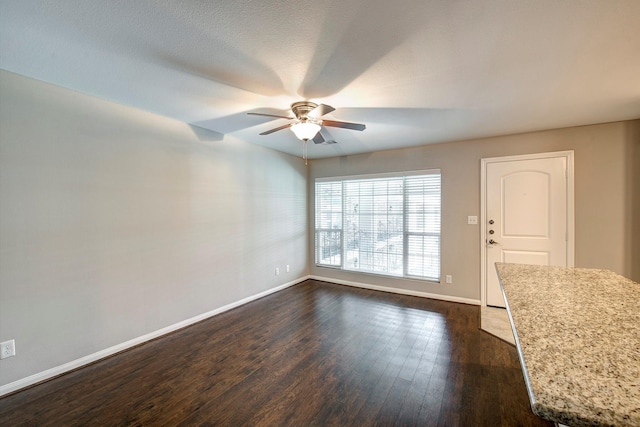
[7, 349]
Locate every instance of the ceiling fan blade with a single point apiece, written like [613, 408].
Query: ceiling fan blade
[345, 125]
[271, 115]
[288, 125]
[320, 111]
[319, 139]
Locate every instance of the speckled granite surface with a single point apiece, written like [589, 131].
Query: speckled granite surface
[578, 337]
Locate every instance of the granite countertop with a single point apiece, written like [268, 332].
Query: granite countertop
[577, 332]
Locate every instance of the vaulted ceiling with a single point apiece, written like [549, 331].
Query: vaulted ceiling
[414, 71]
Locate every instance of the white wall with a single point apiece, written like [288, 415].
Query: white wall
[606, 219]
[115, 223]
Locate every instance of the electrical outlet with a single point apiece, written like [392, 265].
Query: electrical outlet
[448, 278]
[7, 349]
[277, 271]
[288, 269]
[472, 220]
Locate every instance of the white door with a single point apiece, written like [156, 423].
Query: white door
[526, 216]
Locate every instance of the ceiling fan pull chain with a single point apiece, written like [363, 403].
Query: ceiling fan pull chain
[304, 151]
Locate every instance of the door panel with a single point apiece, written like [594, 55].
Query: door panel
[526, 214]
[522, 218]
[526, 257]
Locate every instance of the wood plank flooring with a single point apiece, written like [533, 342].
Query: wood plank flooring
[315, 354]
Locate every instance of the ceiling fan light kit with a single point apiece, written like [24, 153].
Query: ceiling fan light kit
[305, 131]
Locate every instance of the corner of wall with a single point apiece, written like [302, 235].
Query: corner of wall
[632, 197]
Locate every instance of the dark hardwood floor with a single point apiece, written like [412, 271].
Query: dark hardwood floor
[315, 354]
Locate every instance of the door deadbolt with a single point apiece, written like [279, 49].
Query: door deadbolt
[491, 231]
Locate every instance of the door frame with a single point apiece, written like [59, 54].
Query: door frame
[569, 156]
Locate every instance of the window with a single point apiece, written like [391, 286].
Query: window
[384, 224]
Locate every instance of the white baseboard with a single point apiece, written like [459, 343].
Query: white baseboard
[78, 363]
[399, 291]
[75, 364]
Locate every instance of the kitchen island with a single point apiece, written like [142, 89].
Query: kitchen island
[577, 333]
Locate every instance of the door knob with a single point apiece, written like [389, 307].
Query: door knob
[493, 242]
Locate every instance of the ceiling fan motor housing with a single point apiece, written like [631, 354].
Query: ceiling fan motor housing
[302, 109]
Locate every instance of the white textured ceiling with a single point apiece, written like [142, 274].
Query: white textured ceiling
[415, 71]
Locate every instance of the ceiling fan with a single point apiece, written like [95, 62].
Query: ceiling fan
[307, 121]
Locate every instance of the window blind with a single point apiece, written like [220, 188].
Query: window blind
[329, 223]
[382, 225]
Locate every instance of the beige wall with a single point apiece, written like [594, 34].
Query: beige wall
[606, 176]
[115, 223]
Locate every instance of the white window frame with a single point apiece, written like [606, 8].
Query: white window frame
[405, 231]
